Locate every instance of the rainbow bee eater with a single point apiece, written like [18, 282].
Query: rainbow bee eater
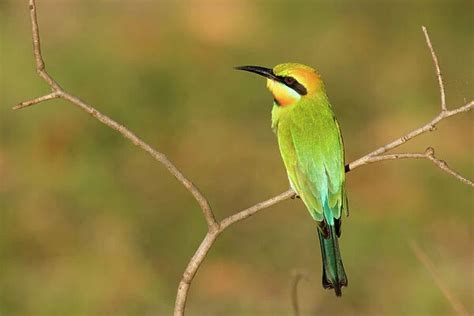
[311, 146]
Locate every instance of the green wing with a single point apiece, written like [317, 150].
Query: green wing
[312, 150]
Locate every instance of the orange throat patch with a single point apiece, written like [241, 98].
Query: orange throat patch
[282, 94]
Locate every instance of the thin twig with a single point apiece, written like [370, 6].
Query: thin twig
[24, 104]
[296, 277]
[428, 154]
[226, 222]
[40, 65]
[428, 127]
[438, 70]
[215, 227]
[428, 264]
[443, 165]
[198, 196]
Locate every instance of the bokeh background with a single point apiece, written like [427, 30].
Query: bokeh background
[91, 225]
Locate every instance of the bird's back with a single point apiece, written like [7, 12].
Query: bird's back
[311, 147]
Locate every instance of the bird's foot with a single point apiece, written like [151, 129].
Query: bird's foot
[295, 196]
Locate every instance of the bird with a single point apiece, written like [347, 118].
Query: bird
[312, 149]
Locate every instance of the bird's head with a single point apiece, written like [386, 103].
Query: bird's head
[289, 82]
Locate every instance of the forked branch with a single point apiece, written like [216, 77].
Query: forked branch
[215, 228]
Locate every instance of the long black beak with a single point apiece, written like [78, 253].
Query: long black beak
[262, 71]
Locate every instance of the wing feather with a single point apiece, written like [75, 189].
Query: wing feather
[314, 158]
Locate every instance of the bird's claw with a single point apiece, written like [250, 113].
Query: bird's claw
[295, 196]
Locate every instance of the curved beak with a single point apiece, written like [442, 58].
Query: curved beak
[262, 71]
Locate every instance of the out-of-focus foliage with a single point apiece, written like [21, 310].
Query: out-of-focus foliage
[90, 225]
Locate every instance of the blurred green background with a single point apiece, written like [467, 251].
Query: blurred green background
[91, 225]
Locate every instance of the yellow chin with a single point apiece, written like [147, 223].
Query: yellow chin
[283, 95]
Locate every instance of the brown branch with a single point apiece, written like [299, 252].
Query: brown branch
[59, 92]
[296, 277]
[443, 165]
[40, 65]
[24, 104]
[428, 127]
[214, 227]
[209, 240]
[438, 70]
[428, 154]
[428, 264]
[226, 222]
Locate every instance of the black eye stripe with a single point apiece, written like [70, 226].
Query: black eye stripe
[298, 87]
[293, 84]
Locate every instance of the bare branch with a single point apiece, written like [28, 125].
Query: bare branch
[431, 126]
[191, 270]
[428, 154]
[226, 222]
[443, 165]
[438, 70]
[428, 127]
[58, 92]
[466, 107]
[428, 264]
[198, 196]
[24, 104]
[296, 277]
[40, 65]
[215, 228]
[36, 38]
[209, 240]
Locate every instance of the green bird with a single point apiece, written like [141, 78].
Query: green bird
[311, 146]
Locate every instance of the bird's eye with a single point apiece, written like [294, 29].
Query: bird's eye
[289, 80]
